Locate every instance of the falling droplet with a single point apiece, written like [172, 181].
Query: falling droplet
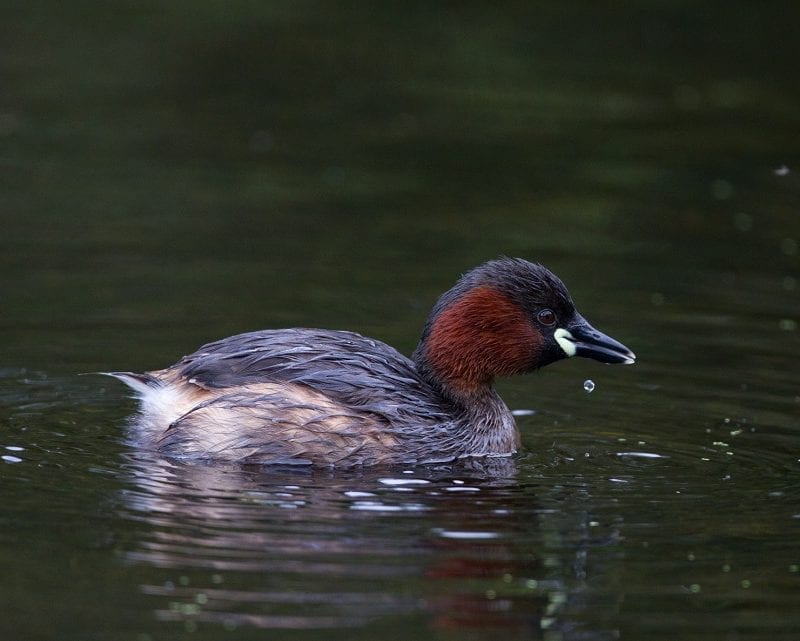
[588, 385]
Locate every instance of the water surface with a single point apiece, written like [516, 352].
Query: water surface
[172, 175]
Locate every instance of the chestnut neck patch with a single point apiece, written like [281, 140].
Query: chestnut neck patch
[481, 335]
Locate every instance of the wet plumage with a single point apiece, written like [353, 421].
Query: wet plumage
[313, 396]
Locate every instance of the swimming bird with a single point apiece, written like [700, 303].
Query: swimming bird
[337, 398]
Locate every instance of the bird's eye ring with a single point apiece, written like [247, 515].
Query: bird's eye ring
[547, 317]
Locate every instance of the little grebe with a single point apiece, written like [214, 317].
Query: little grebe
[324, 397]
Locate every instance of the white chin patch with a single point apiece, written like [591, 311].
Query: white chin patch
[565, 340]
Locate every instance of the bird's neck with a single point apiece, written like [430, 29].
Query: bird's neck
[479, 335]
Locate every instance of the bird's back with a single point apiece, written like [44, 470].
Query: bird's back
[294, 396]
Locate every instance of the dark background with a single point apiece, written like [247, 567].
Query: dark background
[171, 173]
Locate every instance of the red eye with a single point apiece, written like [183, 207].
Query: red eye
[547, 317]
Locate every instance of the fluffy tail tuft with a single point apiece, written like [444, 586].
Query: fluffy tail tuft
[140, 383]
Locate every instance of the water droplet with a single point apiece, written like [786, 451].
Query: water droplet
[588, 385]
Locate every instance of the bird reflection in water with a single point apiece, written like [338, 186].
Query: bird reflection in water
[311, 549]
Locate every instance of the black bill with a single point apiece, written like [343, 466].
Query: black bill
[581, 339]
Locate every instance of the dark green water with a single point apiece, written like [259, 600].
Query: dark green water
[173, 173]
